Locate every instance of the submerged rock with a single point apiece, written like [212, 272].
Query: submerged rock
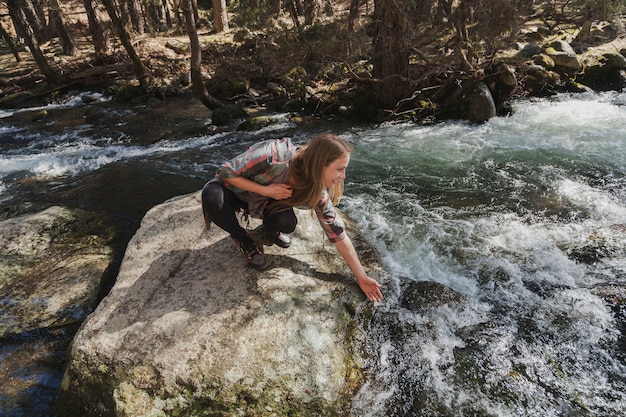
[189, 329]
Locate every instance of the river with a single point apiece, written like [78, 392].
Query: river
[523, 216]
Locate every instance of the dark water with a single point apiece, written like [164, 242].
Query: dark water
[524, 217]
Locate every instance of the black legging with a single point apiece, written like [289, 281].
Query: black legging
[219, 205]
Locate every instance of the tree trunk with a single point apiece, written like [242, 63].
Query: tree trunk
[39, 9]
[312, 10]
[276, 6]
[136, 16]
[36, 21]
[153, 15]
[293, 10]
[9, 40]
[220, 16]
[391, 50]
[100, 43]
[25, 31]
[143, 76]
[168, 14]
[353, 14]
[196, 15]
[198, 86]
[59, 28]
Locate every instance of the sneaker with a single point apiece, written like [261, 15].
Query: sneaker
[256, 258]
[281, 239]
[275, 238]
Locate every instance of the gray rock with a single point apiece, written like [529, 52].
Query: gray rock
[188, 329]
[564, 60]
[614, 60]
[472, 102]
[563, 55]
[528, 51]
[544, 60]
[562, 46]
[49, 274]
[481, 106]
[607, 75]
[507, 76]
[227, 114]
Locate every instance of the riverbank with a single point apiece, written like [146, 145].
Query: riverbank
[323, 71]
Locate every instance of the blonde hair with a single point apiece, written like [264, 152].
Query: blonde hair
[306, 170]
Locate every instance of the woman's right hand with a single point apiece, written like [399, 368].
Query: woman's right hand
[278, 191]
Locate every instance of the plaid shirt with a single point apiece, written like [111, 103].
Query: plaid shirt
[268, 162]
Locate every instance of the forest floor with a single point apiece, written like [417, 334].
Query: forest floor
[241, 64]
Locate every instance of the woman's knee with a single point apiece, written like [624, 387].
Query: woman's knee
[212, 195]
[284, 221]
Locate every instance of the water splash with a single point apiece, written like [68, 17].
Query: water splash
[525, 218]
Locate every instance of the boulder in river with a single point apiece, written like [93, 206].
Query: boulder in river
[189, 329]
[50, 270]
[472, 102]
[52, 267]
[607, 74]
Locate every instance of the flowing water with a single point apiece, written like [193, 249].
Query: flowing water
[522, 218]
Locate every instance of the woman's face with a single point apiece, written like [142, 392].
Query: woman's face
[335, 171]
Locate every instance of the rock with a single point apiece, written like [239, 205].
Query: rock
[564, 60]
[473, 102]
[39, 115]
[544, 60]
[225, 115]
[613, 60]
[50, 272]
[481, 106]
[21, 100]
[180, 48]
[537, 80]
[606, 75]
[242, 35]
[562, 46]
[507, 76]
[258, 122]
[188, 329]
[52, 267]
[563, 55]
[528, 51]
[276, 88]
[423, 296]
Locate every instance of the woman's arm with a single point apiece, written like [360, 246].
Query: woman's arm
[369, 286]
[276, 191]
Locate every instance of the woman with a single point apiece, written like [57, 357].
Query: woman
[269, 180]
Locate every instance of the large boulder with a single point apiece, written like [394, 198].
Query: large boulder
[52, 266]
[188, 329]
[50, 270]
[607, 74]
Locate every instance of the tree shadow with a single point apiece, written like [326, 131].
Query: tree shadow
[196, 284]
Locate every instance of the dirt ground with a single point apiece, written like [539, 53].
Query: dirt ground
[255, 57]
